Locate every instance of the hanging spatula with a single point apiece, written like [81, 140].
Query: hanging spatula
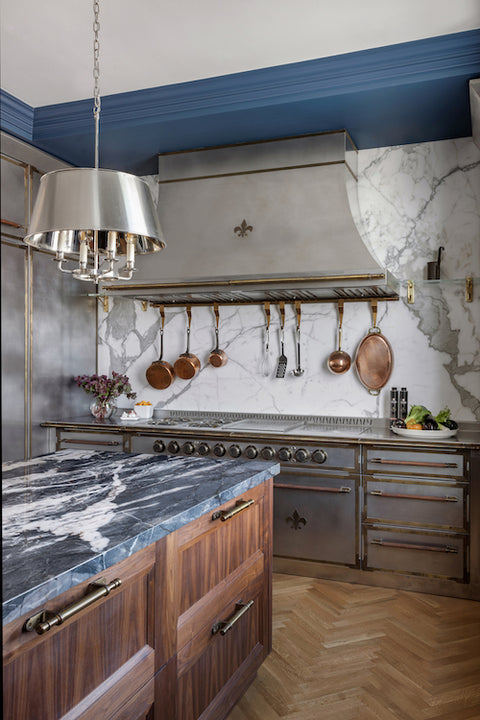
[282, 360]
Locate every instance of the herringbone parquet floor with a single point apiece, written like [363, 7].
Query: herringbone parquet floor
[352, 652]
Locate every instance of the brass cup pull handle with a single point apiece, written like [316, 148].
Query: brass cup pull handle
[413, 546]
[225, 625]
[46, 620]
[405, 496]
[227, 514]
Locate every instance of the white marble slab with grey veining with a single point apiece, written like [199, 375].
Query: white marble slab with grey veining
[74, 513]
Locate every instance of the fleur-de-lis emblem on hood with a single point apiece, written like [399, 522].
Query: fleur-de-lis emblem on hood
[243, 229]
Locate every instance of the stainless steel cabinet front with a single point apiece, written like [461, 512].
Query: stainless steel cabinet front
[440, 555]
[416, 502]
[316, 520]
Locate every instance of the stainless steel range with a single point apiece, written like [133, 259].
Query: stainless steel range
[316, 494]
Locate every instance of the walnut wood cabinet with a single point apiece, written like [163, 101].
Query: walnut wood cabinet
[157, 647]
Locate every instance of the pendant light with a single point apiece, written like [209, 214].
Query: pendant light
[94, 215]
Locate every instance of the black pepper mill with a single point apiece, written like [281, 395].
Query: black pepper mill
[393, 403]
[403, 403]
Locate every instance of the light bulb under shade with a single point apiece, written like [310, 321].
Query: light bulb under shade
[79, 200]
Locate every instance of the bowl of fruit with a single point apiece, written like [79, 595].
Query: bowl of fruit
[421, 421]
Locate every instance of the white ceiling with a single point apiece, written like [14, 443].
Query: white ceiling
[47, 47]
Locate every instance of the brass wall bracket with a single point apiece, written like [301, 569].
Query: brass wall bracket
[144, 305]
[469, 289]
[410, 292]
[103, 300]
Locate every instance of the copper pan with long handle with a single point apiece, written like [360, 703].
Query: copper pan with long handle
[217, 357]
[160, 374]
[374, 358]
[188, 364]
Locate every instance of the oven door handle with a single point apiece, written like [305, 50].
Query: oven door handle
[315, 488]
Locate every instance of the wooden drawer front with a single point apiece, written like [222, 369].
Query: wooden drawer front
[411, 503]
[430, 554]
[90, 441]
[316, 523]
[103, 654]
[209, 550]
[412, 462]
[206, 664]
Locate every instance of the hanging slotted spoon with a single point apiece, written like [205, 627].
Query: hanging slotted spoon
[282, 360]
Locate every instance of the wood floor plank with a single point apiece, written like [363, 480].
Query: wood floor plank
[343, 651]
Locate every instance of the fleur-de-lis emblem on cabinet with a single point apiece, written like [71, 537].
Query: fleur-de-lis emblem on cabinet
[243, 229]
[296, 521]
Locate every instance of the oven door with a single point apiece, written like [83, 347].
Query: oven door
[316, 517]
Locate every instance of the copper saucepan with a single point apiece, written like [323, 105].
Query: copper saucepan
[374, 358]
[160, 374]
[217, 357]
[188, 364]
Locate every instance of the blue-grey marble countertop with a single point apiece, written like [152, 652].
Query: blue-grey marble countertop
[71, 514]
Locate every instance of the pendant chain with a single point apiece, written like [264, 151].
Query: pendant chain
[96, 75]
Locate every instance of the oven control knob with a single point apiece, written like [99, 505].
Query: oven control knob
[267, 453]
[319, 456]
[188, 448]
[234, 451]
[173, 447]
[219, 450]
[203, 449]
[284, 454]
[158, 446]
[251, 452]
[301, 455]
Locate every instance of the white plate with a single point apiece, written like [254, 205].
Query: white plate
[130, 419]
[425, 434]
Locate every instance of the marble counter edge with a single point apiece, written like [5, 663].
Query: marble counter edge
[30, 600]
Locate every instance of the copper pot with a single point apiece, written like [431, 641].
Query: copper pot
[160, 374]
[188, 364]
[339, 361]
[217, 357]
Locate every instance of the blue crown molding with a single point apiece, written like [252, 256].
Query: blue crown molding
[16, 117]
[428, 60]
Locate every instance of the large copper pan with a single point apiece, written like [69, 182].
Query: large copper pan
[160, 374]
[188, 364]
[374, 358]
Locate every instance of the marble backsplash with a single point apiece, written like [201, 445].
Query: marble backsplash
[412, 199]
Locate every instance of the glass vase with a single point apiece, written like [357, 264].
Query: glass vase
[100, 409]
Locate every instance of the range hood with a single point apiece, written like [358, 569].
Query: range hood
[269, 220]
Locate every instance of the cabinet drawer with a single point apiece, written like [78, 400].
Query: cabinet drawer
[90, 441]
[416, 553]
[210, 549]
[207, 664]
[412, 462]
[316, 522]
[89, 666]
[411, 503]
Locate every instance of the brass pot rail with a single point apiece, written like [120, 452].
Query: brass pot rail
[404, 496]
[227, 514]
[315, 488]
[412, 546]
[415, 463]
[225, 625]
[46, 620]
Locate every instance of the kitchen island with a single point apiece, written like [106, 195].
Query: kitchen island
[187, 543]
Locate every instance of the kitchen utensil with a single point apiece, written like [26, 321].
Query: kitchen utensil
[217, 357]
[188, 364]
[433, 268]
[160, 374]
[266, 356]
[374, 358]
[339, 361]
[298, 370]
[282, 360]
